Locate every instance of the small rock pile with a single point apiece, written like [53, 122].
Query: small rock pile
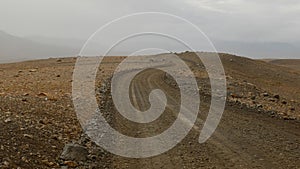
[84, 153]
[250, 96]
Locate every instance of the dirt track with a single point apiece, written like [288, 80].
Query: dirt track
[244, 138]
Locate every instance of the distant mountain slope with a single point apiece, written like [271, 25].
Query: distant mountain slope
[290, 63]
[66, 42]
[14, 48]
[259, 49]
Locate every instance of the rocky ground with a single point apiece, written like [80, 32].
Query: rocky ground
[40, 128]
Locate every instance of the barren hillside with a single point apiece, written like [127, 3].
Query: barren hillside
[259, 129]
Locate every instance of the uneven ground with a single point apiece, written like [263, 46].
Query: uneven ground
[290, 63]
[259, 129]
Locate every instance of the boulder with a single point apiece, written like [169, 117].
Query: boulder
[74, 152]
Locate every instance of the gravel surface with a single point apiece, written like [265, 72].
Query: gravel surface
[259, 129]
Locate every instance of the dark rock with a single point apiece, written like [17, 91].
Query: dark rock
[265, 94]
[259, 106]
[276, 96]
[284, 102]
[289, 118]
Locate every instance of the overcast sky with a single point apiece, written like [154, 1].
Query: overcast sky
[229, 20]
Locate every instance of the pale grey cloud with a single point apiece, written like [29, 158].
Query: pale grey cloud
[226, 20]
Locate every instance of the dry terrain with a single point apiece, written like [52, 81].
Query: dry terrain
[290, 63]
[259, 128]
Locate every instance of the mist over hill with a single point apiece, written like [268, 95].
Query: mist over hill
[14, 48]
[259, 49]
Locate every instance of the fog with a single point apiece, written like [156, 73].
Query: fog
[257, 28]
